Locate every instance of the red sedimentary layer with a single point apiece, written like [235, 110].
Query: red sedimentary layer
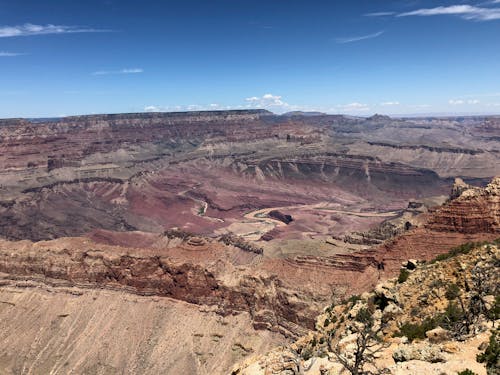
[280, 294]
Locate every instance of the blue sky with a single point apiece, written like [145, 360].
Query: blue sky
[63, 57]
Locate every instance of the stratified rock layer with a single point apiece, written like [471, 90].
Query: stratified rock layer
[203, 170]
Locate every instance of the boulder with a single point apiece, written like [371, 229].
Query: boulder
[437, 335]
[427, 353]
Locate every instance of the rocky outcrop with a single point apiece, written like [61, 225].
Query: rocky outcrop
[278, 215]
[473, 211]
[403, 317]
[81, 263]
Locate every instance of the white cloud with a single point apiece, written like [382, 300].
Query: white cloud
[122, 71]
[468, 12]
[10, 54]
[389, 103]
[462, 101]
[266, 101]
[153, 108]
[379, 14]
[132, 71]
[29, 29]
[358, 38]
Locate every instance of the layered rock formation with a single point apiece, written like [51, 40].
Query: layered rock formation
[398, 326]
[103, 167]
[280, 294]
[172, 208]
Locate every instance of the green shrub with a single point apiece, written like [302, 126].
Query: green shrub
[306, 353]
[414, 331]
[459, 250]
[494, 313]
[453, 318]
[353, 299]
[466, 372]
[403, 275]
[491, 355]
[364, 316]
[452, 292]
[326, 323]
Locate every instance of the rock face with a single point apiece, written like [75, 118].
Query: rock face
[474, 210]
[99, 331]
[414, 307]
[172, 207]
[66, 177]
[186, 272]
[280, 294]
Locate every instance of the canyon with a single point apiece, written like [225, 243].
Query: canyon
[206, 237]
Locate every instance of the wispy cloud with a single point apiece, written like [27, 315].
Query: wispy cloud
[467, 12]
[10, 54]
[379, 14]
[29, 29]
[386, 104]
[358, 38]
[121, 71]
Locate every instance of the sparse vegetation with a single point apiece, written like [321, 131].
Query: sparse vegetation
[491, 356]
[367, 344]
[455, 320]
[459, 250]
[466, 372]
[416, 331]
[403, 275]
[452, 292]
[353, 299]
[494, 312]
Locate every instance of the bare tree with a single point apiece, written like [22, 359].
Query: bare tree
[367, 345]
[298, 360]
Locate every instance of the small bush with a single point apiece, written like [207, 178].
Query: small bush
[364, 316]
[414, 331]
[491, 355]
[403, 275]
[452, 292]
[326, 323]
[306, 353]
[353, 299]
[494, 313]
[466, 372]
[453, 318]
